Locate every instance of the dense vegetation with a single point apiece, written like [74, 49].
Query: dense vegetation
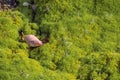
[84, 41]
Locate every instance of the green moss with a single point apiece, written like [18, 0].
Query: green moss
[83, 41]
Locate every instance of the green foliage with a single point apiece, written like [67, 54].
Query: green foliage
[84, 41]
[99, 66]
[15, 63]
